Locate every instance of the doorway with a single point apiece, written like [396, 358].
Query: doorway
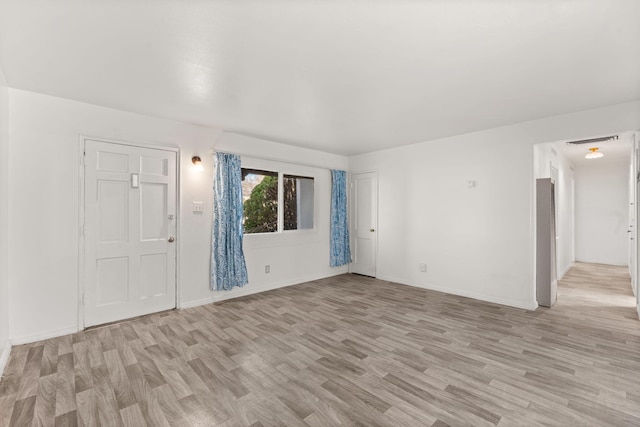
[129, 232]
[596, 207]
[364, 193]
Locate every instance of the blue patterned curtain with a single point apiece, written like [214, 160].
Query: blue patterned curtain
[228, 267]
[340, 250]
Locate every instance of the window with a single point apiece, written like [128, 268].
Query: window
[298, 202]
[260, 199]
[264, 191]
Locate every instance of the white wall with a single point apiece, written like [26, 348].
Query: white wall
[293, 257]
[544, 156]
[4, 224]
[44, 219]
[602, 213]
[476, 242]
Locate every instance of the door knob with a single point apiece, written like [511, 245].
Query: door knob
[371, 230]
[171, 239]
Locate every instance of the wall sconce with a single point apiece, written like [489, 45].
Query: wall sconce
[197, 163]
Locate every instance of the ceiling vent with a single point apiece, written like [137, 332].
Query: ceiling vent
[594, 140]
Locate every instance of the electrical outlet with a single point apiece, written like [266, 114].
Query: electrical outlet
[267, 269]
[422, 267]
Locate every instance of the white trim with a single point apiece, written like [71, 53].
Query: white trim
[487, 298]
[81, 214]
[174, 148]
[44, 335]
[565, 271]
[81, 245]
[178, 219]
[285, 168]
[217, 296]
[360, 171]
[636, 190]
[197, 303]
[533, 231]
[4, 357]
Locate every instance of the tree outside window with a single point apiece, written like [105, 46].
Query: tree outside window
[260, 195]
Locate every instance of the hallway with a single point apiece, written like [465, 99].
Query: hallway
[598, 293]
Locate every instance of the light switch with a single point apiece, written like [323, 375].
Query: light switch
[198, 207]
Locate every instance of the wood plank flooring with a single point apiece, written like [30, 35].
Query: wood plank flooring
[350, 351]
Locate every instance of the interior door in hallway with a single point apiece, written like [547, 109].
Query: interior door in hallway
[129, 231]
[635, 264]
[365, 217]
[632, 231]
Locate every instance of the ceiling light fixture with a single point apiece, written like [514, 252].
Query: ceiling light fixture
[594, 153]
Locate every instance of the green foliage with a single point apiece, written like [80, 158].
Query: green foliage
[261, 208]
[290, 204]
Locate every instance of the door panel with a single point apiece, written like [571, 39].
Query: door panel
[365, 209]
[152, 268]
[631, 232]
[153, 166]
[112, 280]
[117, 162]
[130, 205]
[153, 216]
[113, 211]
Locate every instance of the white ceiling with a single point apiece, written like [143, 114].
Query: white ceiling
[341, 76]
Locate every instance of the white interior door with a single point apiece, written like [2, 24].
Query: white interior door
[130, 227]
[365, 218]
[636, 215]
[632, 231]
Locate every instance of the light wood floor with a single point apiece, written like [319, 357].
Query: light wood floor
[348, 350]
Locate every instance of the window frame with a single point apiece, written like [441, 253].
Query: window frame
[283, 169]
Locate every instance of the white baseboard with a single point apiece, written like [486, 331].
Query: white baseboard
[195, 303]
[565, 271]
[26, 339]
[4, 357]
[487, 298]
[249, 290]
